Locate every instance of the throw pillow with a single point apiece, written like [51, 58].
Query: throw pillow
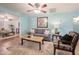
[46, 32]
[67, 39]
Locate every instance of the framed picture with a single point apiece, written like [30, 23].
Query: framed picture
[42, 22]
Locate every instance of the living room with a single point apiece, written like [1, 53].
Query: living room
[43, 20]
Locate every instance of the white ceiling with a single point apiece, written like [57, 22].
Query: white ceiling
[60, 7]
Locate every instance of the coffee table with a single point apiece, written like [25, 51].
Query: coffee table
[36, 39]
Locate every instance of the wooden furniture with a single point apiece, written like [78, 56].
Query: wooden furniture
[65, 47]
[10, 37]
[4, 33]
[36, 39]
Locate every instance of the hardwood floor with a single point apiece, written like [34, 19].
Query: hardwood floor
[8, 43]
[5, 44]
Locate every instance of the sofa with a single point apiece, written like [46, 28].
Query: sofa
[44, 32]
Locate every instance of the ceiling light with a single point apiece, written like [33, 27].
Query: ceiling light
[37, 11]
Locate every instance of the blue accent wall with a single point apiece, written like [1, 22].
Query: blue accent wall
[30, 21]
[66, 20]
[24, 24]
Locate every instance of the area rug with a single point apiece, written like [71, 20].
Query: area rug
[31, 48]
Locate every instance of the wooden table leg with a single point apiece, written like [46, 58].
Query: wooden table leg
[42, 41]
[21, 41]
[39, 45]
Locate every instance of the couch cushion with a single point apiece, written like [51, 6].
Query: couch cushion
[39, 31]
[43, 35]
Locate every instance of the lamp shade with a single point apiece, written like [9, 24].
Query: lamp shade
[32, 31]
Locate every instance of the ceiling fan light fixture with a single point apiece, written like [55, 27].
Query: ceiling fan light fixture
[37, 8]
[37, 11]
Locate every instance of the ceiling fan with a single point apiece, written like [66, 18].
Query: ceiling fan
[37, 8]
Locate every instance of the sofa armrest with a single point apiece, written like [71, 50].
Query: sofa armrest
[49, 37]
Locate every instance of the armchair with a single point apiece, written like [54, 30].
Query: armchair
[65, 47]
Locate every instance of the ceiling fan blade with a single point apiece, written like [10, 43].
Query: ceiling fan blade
[45, 5]
[43, 11]
[29, 10]
[30, 4]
